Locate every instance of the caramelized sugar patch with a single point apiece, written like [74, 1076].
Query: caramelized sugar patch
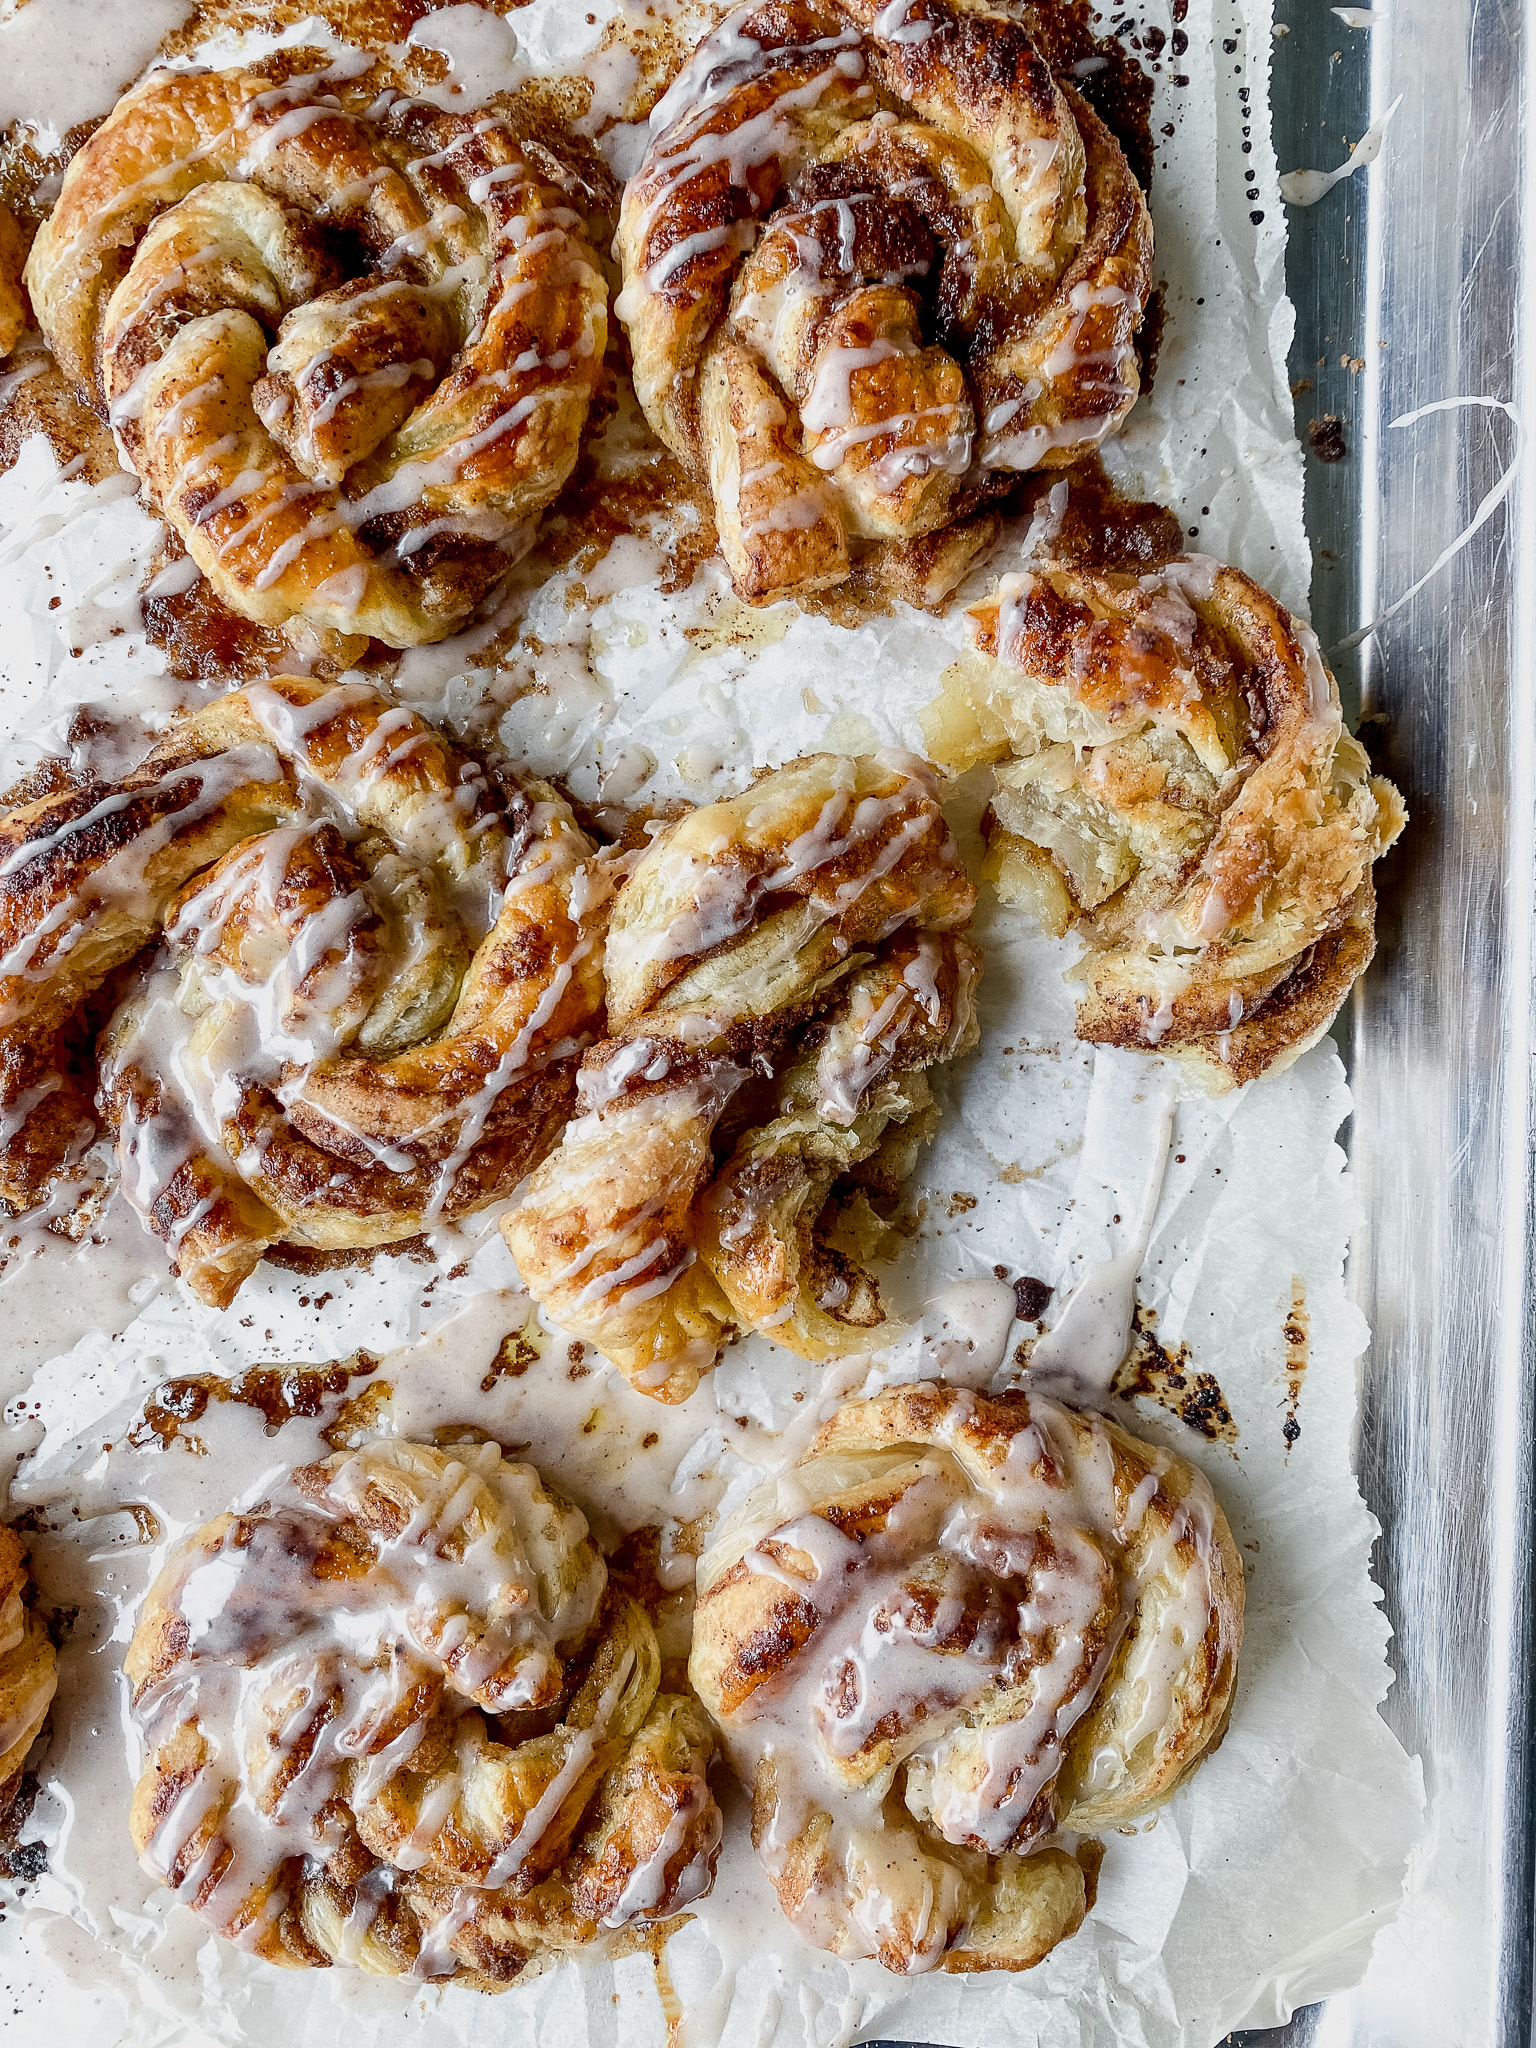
[1167, 1377]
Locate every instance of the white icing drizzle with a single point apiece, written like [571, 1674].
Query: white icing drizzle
[1018, 1583]
[289, 1677]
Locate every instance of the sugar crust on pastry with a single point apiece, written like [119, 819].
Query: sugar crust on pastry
[781, 968]
[395, 1717]
[376, 965]
[1175, 783]
[360, 453]
[957, 1629]
[875, 256]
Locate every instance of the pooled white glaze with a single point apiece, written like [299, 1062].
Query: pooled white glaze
[108, 45]
[1085, 1346]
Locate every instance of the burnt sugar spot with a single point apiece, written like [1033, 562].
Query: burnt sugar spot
[514, 1354]
[1326, 438]
[1031, 1297]
[1149, 337]
[1152, 1372]
[283, 1393]
[1298, 1334]
[1100, 529]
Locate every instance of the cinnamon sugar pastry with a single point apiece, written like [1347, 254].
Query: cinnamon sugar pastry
[28, 1668]
[395, 1717]
[781, 968]
[876, 255]
[376, 965]
[361, 450]
[1176, 782]
[960, 1627]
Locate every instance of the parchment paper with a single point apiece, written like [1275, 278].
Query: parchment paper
[1262, 1884]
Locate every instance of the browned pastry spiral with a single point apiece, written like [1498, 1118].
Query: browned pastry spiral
[394, 1717]
[959, 1627]
[28, 1668]
[376, 967]
[1176, 782]
[781, 969]
[364, 452]
[875, 256]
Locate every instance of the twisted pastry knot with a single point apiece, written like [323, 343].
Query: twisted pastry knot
[395, 1717]
[28, 1668]
[781, 968]
[957, 1627]
[1175, 781]
[827, 182]
[376, 967]
[364, 452]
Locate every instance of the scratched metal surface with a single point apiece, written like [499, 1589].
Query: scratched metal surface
[1422, 272]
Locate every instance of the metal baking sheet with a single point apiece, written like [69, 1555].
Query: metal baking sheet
[1412, 284]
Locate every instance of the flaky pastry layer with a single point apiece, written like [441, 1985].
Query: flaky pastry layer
[394, 1717]
[1174, 781]
[959, 1627]
[875, 260]
[781, 969]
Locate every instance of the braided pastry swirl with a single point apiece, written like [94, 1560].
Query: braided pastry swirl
[957, 1627]
[781, 968]
[874, 256]
[376, 967]
[28, 1668]
[1176, 782]
[358, 451]
[395, 1717]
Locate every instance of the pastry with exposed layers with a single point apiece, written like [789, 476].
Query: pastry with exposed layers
[396, 1716]
[348, 341]
[782, 968]
[1175, 783]
[363, 969]
[876, 260]
[28, 1667]
[960, 1632]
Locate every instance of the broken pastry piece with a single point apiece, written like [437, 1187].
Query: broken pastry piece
[1174, 781]
[959, 1629]
[28, 1668]
[397, 1717]
[781, 969]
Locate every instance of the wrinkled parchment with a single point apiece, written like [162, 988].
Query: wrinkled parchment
[1261, 1885]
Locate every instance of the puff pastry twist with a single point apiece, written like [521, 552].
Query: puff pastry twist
[874, 254]
[376, 968]
[395, 1717]
[28, 1668]
[364, 452]
[1176, 782]
[957, 1627]
[781, 969]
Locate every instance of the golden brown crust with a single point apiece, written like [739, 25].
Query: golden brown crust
[370, 473]
[875, 256]
[379, 966]
[1175, 781]
[13, 298]
[781, 968]
[455, 1758]
[28, 1667]
[956, 1627]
